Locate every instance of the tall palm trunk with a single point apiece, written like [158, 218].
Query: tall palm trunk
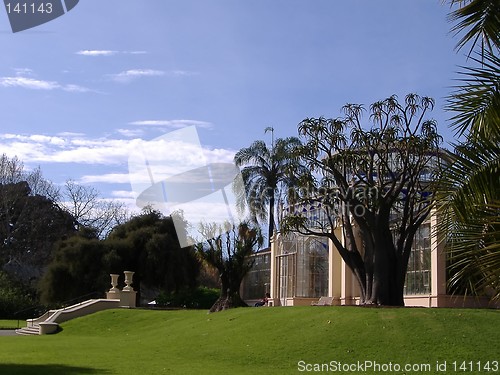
[271, 219]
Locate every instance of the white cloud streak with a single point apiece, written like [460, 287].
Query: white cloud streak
[133, 74]
[183, 73]
[37, 84]
[164, 157]
[130, 132]
[173, 124]
[73, 148]
[23, 71]
[97, 52]
[28, 83]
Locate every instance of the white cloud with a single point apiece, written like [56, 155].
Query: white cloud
[111, 178]
[130, 132]
[28, 83]
[135, 52]
[132, 74]
[76, 88]
[127, 194]
[97, 53]
[37, 84]
[23, 71]
[149, 162]
[70, 134]
[183, 73]
[75, 148]
[174, 124]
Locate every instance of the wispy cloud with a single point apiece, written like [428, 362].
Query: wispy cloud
[71, 148]
[76, 88]
[111, 178]
[183, 73]
[130, 132]
[28, 83]
[24, 71]
[98, 52]
[173, 124]
[71, 134]
[38, 84]
[148, 161]
[123, 194]
[133, 74]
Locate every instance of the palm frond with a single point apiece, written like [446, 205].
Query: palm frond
[469, 214]
[480, 20]
[476, 103]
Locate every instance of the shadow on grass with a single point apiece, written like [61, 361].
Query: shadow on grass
[20, 369]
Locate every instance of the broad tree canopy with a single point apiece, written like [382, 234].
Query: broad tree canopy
[374, 187]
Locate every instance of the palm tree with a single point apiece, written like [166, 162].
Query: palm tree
[471, 217]
[266, 172]
[481, 21]
[471, 186]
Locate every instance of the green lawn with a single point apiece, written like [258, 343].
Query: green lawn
[10, 324]
[258, 341]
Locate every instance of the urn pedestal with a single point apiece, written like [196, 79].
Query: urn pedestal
[128, 295]
[114, 292]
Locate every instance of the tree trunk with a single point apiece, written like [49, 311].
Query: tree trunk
[271, 219]
[228, 301]
[387, 289]
[229, 297]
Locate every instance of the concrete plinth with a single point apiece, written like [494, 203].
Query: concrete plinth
[113, 294]
[128, 298]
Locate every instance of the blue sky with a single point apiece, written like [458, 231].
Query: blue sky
[79, 93]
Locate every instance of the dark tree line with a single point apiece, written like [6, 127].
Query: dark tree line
[147, 244]
[56, 245]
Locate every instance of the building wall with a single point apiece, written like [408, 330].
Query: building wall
[293, 281]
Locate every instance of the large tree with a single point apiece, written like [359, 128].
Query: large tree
[29, 227]
[266, 172]
[374, 184]
[148, 244]
[470, 200]
[78, 268]
[230, 254]
[90, 210]
[31, 221]
[12, 171]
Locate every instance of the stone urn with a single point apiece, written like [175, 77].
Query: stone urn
[128, 281]
[114, 283]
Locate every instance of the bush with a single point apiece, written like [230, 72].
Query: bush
[13, 298]
[199, 298]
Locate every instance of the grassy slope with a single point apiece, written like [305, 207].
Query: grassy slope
[253, 340]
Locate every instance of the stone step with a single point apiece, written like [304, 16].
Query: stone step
[34, 330]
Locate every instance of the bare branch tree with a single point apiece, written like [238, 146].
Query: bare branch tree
[90, 210]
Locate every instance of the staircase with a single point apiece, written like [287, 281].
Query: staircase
[49, 322]
[33, 330]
